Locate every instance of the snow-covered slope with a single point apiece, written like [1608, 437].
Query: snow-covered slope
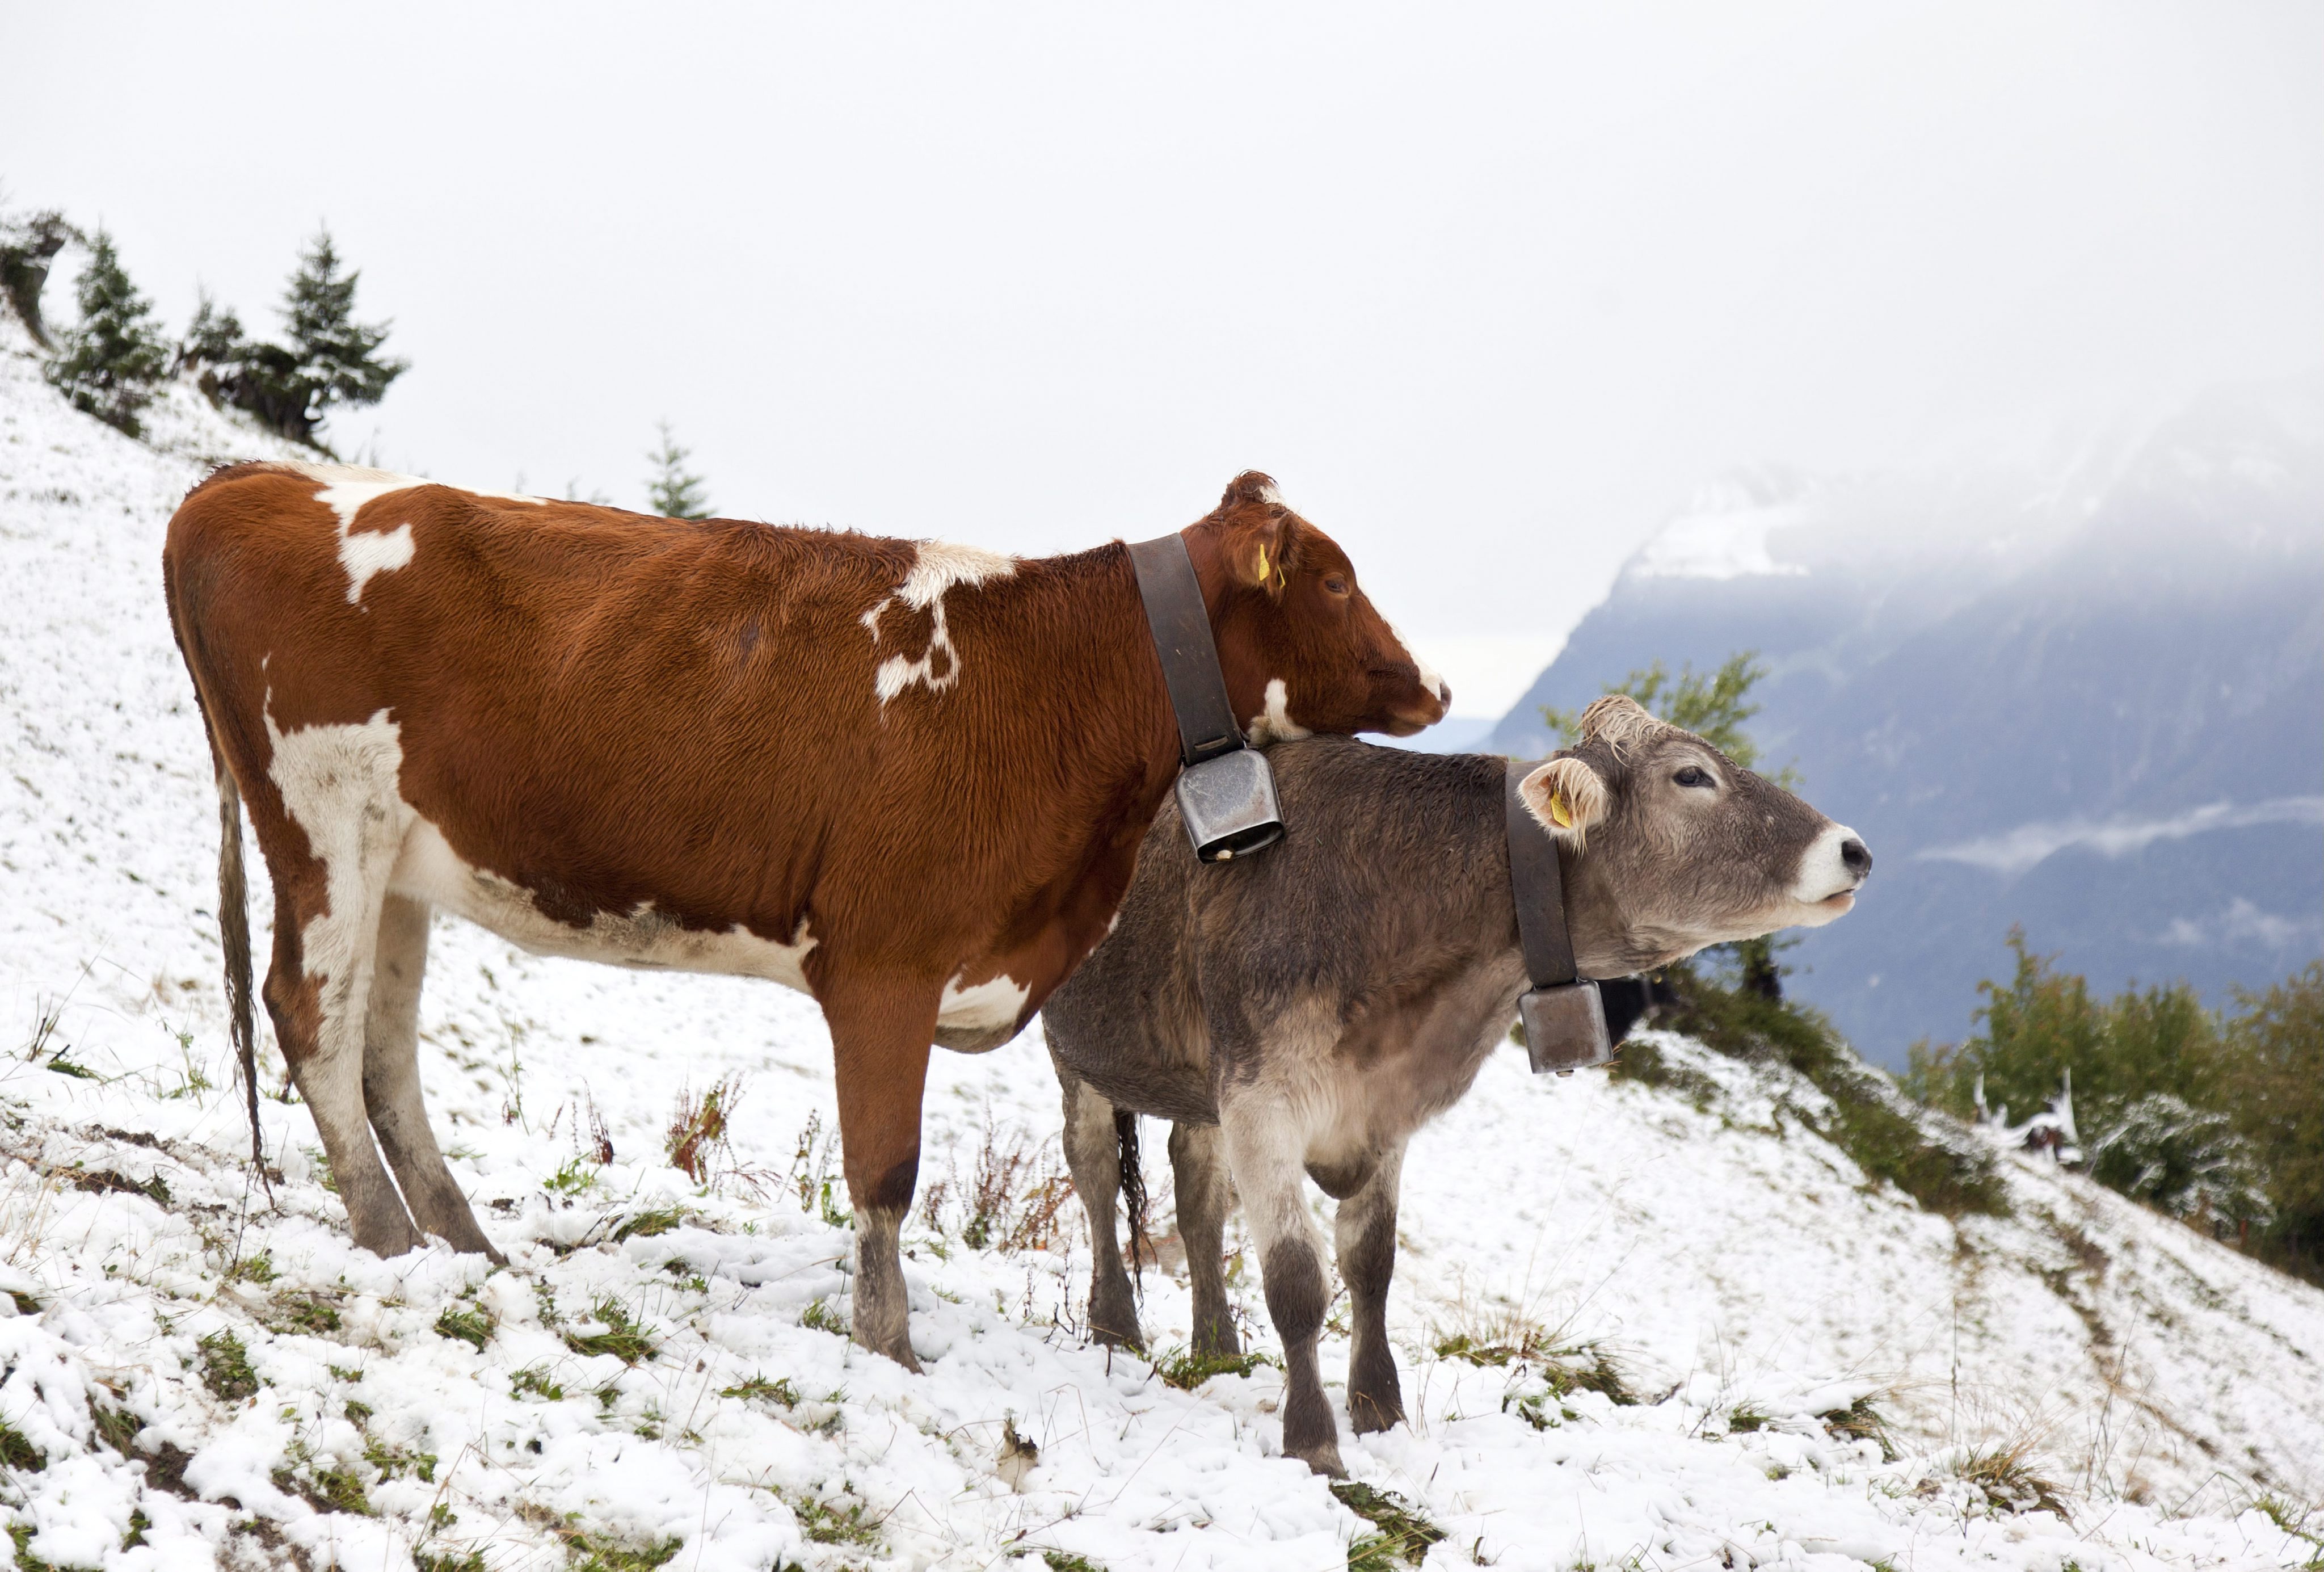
[1732, 1266]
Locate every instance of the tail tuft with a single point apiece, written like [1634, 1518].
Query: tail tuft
[234, 932]
[1133, 1195]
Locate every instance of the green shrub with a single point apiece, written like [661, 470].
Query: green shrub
[2216, 1120]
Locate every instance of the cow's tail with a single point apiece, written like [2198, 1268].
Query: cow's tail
[233, 933]
[1133, 1195]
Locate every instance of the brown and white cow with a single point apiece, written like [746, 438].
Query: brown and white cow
[910, 778]
[1301, 1015]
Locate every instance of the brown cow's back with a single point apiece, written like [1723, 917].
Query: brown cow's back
[606, 712]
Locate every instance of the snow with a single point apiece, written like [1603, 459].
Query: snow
[1728, 1260]
[1722, 534]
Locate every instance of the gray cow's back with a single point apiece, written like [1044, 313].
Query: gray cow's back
[1384, 912]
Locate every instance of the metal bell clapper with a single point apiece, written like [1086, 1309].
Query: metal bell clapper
[1564, 1028]
[1230, 808]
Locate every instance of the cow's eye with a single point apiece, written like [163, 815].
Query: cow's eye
[1336, 585]
[1691, 776]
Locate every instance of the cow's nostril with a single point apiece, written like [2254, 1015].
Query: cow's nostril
[1444, 693]
[1854, 857]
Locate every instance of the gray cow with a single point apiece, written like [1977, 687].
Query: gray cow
[1304, 1012]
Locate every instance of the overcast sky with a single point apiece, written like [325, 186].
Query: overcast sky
[1488, 291]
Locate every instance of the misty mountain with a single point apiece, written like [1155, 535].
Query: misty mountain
[2082, 691]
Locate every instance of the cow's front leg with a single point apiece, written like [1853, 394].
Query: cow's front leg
[1365, 1232]
[1198, 1176]
[1264, 1150]
[1094, 1157]
[881, 1031]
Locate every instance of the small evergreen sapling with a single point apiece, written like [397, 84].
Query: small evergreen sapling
[671, 490]
[109, 362]
[339, 360]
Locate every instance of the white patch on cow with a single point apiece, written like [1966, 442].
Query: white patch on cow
[371, 552]
[339, 786]
[1274, 724]
[938, 567]
[987, 1006]
[345, 489]
[1430, 677]
[430, 870]
[1823, 877]
[1273, 498]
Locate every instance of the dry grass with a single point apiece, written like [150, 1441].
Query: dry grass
[697, 1139]
[1011, 1202]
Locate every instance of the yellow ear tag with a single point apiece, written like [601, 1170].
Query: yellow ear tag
[1262, 561]
[1559, 814]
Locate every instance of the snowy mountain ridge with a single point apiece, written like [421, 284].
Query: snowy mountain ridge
[2081, 691]
[200, 1370]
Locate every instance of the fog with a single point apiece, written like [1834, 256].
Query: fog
[1490, 293]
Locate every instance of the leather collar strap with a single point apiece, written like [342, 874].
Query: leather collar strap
[1564, 1017]
[1181, 626]
[1538, 885]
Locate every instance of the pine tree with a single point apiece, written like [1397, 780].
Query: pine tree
[213, 338]
[338, 357]
[111, 360]
[670, 490]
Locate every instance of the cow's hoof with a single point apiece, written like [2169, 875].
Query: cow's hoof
[1368, 1413]
[898, 1349]
[1217, 1340]
[1323, 1459]
[1135, 1342]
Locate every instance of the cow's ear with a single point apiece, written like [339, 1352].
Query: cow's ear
[1566, 797]
[1263, 552]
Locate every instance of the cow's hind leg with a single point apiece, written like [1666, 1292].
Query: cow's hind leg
[1093, 1155]
[1265, 1149]
[317, 992]
[1365, 1232]
[881, 1033]
[1198, 1174]
[390, 1081]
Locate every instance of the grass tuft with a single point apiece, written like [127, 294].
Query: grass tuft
[651, 1224]
[430, 1561]
[19, 1453]
[1860, 1421]
[305, 1312]
[104, 1181]
[758, 1389]
[1402, 1538]
[472, 1325]
[2004, 1475]
[1185, 1369]
[593, 1553]
[225, 1367]
[623, 1338]
[326, 1489]
[826, 1523]
[533, 1381]
[819, 1317]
